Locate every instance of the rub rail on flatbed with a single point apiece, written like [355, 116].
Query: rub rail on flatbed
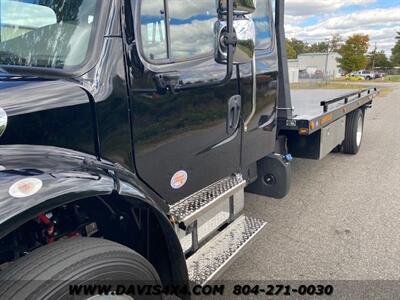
[307, 125]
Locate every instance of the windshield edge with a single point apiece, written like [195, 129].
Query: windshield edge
[96, 43]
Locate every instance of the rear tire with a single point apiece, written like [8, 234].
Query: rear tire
[47, 272]
[354, 132]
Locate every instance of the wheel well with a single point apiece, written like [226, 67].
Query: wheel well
[130, 222]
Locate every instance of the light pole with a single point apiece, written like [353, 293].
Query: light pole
[326, 62]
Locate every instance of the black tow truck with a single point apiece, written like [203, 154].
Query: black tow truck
[131, 129]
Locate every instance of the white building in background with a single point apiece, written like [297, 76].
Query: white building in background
[294, 70]
[320, 63]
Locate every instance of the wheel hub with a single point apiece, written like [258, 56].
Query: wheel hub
[359, 131]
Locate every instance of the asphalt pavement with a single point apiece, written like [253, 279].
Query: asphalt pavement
[341, 220]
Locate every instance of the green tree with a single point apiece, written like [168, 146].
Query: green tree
[291, 53]
[395, 58]
[354, 52]
[378, 59]
[335, 43]
[296, 47]
[318, 47]
[299, 46]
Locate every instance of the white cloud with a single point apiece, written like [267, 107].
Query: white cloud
[380, 24]
[313, 7]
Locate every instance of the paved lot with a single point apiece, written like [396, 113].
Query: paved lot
[341, 220]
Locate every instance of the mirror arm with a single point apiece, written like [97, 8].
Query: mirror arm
[229, 40]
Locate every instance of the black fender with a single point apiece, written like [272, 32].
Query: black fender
[68, 176]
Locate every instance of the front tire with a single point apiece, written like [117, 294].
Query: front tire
[47, 272]
[354, 132]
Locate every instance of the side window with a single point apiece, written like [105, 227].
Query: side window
[192, 27]
[153, 29]
[263, 23]
[189, 25]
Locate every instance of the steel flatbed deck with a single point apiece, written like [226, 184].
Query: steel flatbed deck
[316, 109]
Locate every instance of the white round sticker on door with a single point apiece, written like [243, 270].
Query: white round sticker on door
[179, 179]
[25, 188]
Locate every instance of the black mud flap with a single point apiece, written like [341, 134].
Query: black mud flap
[273, 177]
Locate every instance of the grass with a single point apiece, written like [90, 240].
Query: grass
[385, 91]
[390, 78]
[339, 85]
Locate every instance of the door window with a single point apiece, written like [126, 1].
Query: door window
[192, 27]
[263, 23]
[153, 29]
[188, 24]
[183, 30]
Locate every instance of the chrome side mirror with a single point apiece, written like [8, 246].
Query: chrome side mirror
[245, 41]
[240, 7]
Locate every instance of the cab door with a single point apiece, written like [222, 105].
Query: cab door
[259, 113]
[184, 140]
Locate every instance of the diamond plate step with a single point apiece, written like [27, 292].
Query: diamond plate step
[217, 254]
[186, 210]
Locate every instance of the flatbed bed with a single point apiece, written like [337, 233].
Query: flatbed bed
[315, 109]
[307, 102]
[318, 119]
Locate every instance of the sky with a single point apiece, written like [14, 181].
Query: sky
[318, 20]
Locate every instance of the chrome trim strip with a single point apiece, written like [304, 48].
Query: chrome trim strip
[254, 109]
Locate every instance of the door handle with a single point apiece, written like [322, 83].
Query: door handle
[167, 81]
[234, 111]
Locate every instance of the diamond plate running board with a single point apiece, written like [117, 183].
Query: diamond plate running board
[217, 254]
[187, 210]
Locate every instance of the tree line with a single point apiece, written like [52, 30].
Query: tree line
[354, 52]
